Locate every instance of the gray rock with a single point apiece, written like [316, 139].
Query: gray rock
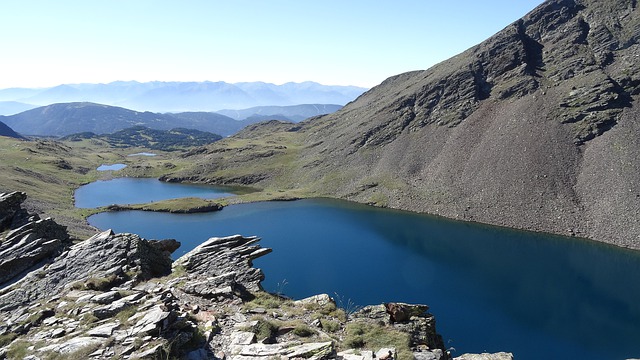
[352, 354]
[73, 345]
[104, 330]
[321, 299]
[10, 207]
[222, 256]
[89, 262]
[152, 322]
[59, 332]
[30, 244]
[243, 338]
[323, 350]
[107, 311]
[436, 354]
[106, 298]
[386, 354]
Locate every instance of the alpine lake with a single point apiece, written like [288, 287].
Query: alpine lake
[491, 289]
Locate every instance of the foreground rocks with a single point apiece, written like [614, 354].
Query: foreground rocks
[29, 240]
[120, 296]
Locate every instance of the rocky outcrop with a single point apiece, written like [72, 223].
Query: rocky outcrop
[101, 262]
[29, 240]
[222, 262]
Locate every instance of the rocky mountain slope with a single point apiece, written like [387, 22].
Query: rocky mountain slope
[535, 128]
[120, 296]
[295, 113]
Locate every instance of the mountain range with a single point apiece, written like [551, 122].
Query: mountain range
[535, 128]
[179, 96]
[69, 118]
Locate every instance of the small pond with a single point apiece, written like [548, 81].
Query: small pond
[112, 167]
[142, 154]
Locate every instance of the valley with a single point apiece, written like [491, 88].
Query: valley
[500, 186]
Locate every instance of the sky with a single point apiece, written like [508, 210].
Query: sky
[347, 42]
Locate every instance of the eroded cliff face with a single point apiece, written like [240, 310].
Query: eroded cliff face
[120, 296]
[534, 128]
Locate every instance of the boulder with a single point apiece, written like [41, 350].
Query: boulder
[10, 208]
[223, 256]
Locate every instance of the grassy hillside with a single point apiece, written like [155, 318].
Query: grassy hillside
[50, 171]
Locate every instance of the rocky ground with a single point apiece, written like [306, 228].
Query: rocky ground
[118, 296]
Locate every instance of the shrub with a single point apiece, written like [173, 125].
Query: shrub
[6, 339]
[330, 325]
[304, 330]
[100, 284]
[266, 329]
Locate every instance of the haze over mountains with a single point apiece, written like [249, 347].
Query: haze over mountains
[179, 96]
[535, 128]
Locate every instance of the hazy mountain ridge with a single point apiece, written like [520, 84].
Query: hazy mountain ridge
[186, 96]
[535, 128]
[70, 118]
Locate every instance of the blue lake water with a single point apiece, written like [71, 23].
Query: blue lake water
[136, 191]
[112, 167]
[491, 289]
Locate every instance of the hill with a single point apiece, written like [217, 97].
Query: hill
[140, 136]
[186, 96]
[535, 128]
[7, 131]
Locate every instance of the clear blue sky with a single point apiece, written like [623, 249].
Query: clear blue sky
[46, 43]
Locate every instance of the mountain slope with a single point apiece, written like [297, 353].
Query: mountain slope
[294, 113]
[7, 131]
[535, 128]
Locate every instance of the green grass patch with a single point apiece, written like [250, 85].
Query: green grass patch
[362, 335]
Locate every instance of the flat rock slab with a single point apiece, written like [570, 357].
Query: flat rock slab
[104, 330]
[74, 344]
[284, 350]
[243, 338]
